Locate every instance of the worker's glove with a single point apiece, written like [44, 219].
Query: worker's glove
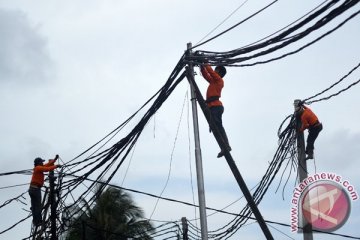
[56, 157]
[59, 166]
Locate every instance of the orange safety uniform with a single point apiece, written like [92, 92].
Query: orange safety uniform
[216, 83]
[308, 118]
[38, 173]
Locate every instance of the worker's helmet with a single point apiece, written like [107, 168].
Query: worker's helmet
[38, 161]
[221, 70]
[298, 105]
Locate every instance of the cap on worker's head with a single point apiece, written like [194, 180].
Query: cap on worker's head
[297, 104]
[38, 161]
[221, 70]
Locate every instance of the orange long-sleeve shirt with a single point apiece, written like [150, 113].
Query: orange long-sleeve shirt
[308, 118]
[38, 173]
[216, 83]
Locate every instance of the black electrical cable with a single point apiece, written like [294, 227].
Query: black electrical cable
[127, 120]
[223, 21]
[234, 26]
[291, 52]
[287, 26]
[336, 94]
[13, 199]
[221, 211]
[16, 185]
[230, 58]
[25, 172]
[171, 159]
[164, 231]
[282, 232]
[306, 100]
[128, 166]
[14, 225]
[108, 157]
[285, 142]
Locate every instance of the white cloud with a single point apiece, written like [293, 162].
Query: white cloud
[24, 59]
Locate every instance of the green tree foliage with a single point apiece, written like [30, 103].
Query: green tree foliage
[114, 216]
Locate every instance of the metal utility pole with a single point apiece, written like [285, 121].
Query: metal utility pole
[184, 228]
[52, 205]
[227, 154]
[198, 158]
[303, 174]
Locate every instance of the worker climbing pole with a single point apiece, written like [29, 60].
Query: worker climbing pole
[305, 119]
[225, 148]
[302, 168]
[37, 182]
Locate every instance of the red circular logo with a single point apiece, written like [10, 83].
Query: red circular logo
[326, 206]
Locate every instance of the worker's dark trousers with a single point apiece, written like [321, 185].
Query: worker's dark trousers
[35, 195]
[313, 134]
[216, 114]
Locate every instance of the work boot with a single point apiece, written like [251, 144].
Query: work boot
[222, 152]
[310, 155]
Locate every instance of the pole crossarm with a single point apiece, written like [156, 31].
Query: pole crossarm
[228, 157]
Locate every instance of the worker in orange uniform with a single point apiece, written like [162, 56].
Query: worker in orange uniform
[37, 181]
[213, 94]
[308, 121]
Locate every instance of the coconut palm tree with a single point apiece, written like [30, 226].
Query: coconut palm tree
[114, 216]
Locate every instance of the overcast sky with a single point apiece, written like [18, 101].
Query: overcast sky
[72, 71]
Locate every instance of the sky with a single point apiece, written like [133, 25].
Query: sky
[72, 71]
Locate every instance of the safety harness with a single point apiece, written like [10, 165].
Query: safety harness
[212, 99]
